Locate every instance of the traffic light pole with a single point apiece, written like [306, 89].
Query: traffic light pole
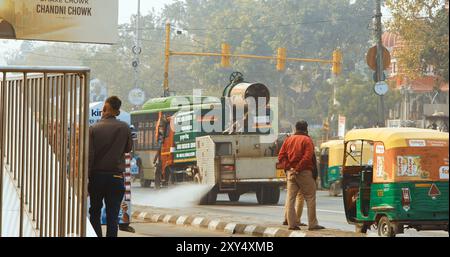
[336, 61]
[380, 65]
[166, 62]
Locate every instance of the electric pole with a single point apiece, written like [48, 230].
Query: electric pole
[166, 61]
[380, 64]
[137, 49]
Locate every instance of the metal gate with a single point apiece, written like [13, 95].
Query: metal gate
[44, 146]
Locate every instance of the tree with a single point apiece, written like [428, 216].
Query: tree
[423, 28]
[359, 103]
[309, 29]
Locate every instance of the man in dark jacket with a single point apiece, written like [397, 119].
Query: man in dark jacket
[6, 29]
[109, 140]
[296, 156]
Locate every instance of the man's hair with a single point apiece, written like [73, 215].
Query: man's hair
[301, 126]
[114, 102]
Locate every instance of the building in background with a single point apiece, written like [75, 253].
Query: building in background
[423, 98]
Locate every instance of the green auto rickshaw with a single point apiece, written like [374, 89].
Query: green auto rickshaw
[331, 156]
[404, 184]
[331, 159]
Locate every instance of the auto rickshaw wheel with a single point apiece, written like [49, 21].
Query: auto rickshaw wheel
[335, 189]
[145, 182]
[385, 227]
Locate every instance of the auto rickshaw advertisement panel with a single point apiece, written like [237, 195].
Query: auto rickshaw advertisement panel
[425, 163]
[381, 174]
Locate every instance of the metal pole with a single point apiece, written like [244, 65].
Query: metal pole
[2, 147]
[137, 45]
[380, 67]
[85, 127]
[166, 62]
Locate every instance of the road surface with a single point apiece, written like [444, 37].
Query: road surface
[330, 210]
[143, 229]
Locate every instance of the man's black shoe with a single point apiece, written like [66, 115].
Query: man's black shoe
[317, 227]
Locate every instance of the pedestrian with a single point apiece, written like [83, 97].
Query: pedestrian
[300, 200]
[6, 29]
[109, 140]
[296, 156]
[299, 203]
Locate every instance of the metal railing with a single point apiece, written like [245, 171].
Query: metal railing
[44, 146]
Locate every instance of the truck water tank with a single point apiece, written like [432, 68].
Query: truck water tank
[240, 92]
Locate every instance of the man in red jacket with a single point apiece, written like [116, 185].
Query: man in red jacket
[296, 156]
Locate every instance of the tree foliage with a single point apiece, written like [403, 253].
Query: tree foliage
[423, 28]
[308, 29]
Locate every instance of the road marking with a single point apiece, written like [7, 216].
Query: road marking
[297, 234]
[181, 220]
[305, 209]
[270, 232]
[330, 211]
[197, 221]
[213, 224]
[142, 215]
[155, 217]
[167, 218]
[249, 229]
[229, 228]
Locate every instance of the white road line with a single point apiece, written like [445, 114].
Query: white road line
[305, 209]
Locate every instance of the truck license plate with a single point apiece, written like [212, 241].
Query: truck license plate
[281, 173]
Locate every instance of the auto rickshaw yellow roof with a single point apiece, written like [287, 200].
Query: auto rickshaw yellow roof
[395, 137]
[332, 143]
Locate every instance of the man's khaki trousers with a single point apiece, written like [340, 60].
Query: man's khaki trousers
[299, 203]
[302, 181]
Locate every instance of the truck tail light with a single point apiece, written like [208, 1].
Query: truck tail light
[228, 168]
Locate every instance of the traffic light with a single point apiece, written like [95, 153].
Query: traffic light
[281, 59]
[225, 55]
[337, 62]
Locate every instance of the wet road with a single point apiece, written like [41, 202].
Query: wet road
[329, 209]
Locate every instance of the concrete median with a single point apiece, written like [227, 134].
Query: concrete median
[228, 226]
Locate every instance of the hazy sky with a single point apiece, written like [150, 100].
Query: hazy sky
[129, 7]
[126, 9]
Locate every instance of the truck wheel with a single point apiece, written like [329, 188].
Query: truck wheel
[157, 180]
[145, 182]
[234, 196]
[170, 177]
[210, 198]
[268, 194]
[385, 228]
